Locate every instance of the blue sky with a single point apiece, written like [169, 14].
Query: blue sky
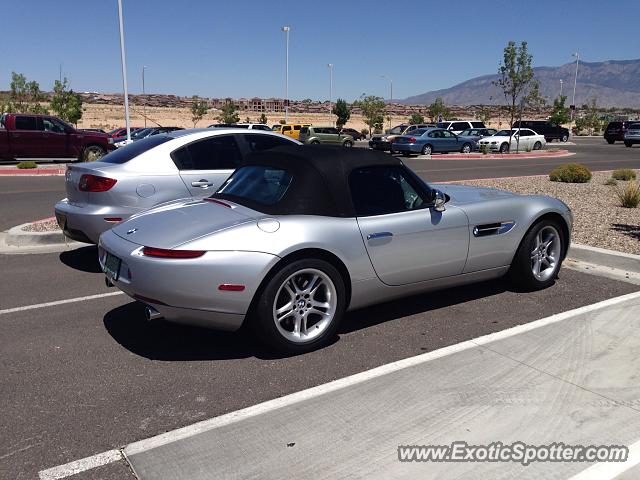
[236, 48]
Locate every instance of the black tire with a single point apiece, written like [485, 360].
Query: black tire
[91, 153]
[347, 143]
[549, 140]
[537, 146]
[315, 142]
[466, 146]
[406, 154]
[565, 138]
[504, 148]
[262, 320]
[520, 272]
[611, 142]
[628, 144]
[427, 150]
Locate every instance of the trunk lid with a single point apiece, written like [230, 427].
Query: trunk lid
[72, 180]
[175, 223]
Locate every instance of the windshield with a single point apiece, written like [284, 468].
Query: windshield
[504, 133]
[444, 125]
[397, 130]
[419, 132]
[468, 132]
[261, 184]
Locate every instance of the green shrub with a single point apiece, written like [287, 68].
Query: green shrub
[624, 174]
[610, 181]
[484, 149]
[629, 195]
[570, 173]
[364, 131]
[27, 165]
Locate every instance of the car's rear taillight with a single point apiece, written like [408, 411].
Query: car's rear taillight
[165, 253]
[94, 183]
[411, 139]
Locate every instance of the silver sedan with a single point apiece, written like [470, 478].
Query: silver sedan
[298, 235]
[151, 171]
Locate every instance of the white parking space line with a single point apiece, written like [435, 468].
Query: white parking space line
[59, 302]
[610, 470]
[83, 465]
[288, 400]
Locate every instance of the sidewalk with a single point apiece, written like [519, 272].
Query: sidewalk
[569, 378]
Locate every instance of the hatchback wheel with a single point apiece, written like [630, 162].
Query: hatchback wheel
[301, 306]
[426, 150]
[539, 256]
[466, 148]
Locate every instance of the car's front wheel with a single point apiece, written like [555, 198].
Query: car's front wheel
[628, 144]
[301, 306]
[565, 137]
[611, 142]
[92, 153]
[466, 148]
[504, 148]
[539, 256]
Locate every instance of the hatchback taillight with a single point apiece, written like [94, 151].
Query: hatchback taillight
[165, 253]
[94, 183]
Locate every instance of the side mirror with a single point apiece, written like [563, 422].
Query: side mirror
[439, 199]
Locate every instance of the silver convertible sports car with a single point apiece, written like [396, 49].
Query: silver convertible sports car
[298, 235]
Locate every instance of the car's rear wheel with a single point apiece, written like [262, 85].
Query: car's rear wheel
[611, 142]
[466, 148]
[504, 148]
[91, 153]
[301, 306]
[315, 142]
[427, 150]
[628, 144]
[348, 143]
[537, 146]
[565, 137]
[539, 256]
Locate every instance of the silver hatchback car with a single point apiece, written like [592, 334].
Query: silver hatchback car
[158, 169]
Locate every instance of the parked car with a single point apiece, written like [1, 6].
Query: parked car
[521, 139]
[144, 133]
[426, 141]
[549, 130]
[293, 129]
[299, 235]
[384, 141]
[121, 131]
[459, 125]
[163, 167]
[313, 135]
[632, 134]
[26, 136]
[478, 133]
[248, 126]
[615, 131]
[276, 128]
[354, 133]
[96, 130]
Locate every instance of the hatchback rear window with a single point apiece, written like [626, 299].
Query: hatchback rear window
[258, 183]
[128, 152]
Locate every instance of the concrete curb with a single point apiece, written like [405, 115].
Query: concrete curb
[607, 258]
[19, 238]
[497, 156]
[31, 172]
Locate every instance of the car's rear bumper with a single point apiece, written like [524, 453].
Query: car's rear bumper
[380, 145]
[407, 147]
[85, 223]
[187, 290]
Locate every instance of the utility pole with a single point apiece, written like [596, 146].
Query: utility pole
[330, 67]
[123, 62]
[561, 87]
[286, 30]
[390, 99]
[575, 81]
[144, 97]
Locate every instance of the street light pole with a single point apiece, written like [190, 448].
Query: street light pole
[123, 62]
[575, 81]
[144, 105]
[286, 29]
[390, 99]
[330, 67]
[561, 87]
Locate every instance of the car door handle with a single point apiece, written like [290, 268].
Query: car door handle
[202, 183]
[373, 236]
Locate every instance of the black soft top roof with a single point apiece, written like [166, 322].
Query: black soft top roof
[320, 178]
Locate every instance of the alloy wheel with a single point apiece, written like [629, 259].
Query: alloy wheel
[546, 253]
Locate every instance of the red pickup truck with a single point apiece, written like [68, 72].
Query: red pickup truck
[25, 136]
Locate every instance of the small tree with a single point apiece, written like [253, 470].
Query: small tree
[514, 77]
[199, 109]
[373, 110]
[65, 103]
[559, 113]
[229, 113]
[263, 119]
[484, 114]
[24, 96]
[438, 110]
[416, 118]
[591, 119]
[342, 111]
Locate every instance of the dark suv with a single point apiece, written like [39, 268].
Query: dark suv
[551, 131]
[615, 131]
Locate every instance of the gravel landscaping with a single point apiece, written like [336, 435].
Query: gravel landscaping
[599, 220]
[45, 226]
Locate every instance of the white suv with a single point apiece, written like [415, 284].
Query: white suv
[458, 126]
[249, 126]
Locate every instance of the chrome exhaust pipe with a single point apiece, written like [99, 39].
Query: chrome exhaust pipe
[107, 282]
[151, 313]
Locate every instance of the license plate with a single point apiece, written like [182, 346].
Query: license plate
[61, 218]
[112, 266]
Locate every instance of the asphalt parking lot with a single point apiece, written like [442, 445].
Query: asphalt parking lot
[91, 375]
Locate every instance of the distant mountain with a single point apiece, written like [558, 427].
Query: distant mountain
[615, 83]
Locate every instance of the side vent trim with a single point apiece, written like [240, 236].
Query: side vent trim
[489, 229]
